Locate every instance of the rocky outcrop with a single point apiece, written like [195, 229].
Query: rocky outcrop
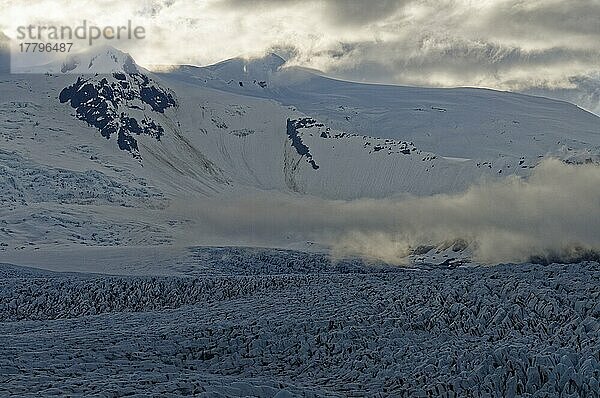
[124, 105]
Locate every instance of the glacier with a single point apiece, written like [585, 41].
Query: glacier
[508, 330]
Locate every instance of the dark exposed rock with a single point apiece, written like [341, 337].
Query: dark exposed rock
[157, 98]
[301, 148]
[103, 104]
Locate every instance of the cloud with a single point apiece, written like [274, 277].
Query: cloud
[584, 91]
[342, 12]
[547, 20]
[503, 44]
[555, 210]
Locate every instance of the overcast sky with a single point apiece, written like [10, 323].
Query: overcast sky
[547, 46]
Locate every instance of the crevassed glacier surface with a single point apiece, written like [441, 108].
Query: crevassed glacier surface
[223, 329]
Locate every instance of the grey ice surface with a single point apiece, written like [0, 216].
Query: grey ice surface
[510, 330]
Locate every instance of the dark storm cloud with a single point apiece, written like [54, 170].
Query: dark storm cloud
[505, 17]
[550, 17]
[359, 12]
[352, 12]
[448, 61]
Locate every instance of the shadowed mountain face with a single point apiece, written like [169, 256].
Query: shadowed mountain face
[4, 54]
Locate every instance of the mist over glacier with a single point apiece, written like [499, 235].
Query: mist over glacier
[555, 210]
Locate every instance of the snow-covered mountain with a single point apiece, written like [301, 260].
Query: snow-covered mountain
[93, 151]
[101, 60]
[460, 122]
